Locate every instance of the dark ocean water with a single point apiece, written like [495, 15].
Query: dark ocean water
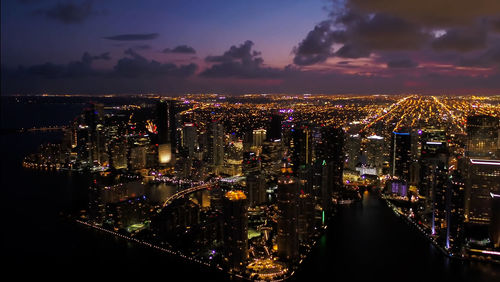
[364, 242]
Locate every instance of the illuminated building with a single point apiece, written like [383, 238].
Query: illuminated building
[353, 150]
[434, 178]
[495, 220]
[165, 154]
[215, 146]
[374, 157]
[305, 219]
[288, 212]
[189, 139]
[483, 179]
[234, 158]
[138, 157]
[397, 187]
[165, 120]
[235, 213]
[483, 137]
[118, 148]
[455, 211]
[400, 155]
[300, 147]
[258, 137]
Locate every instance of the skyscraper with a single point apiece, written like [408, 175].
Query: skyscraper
[483, 179]
[215, 144]
[165, 119]
[259, 136]
[235, 213]
[483, 137]
[329, 163]
[189, 138]
[274, 132]
[400, 155]
[288, 199]
[495, 220]
[256, 186]
[300, 147]
[434, 181]
[374, 157]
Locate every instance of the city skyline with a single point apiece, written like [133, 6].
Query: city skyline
[178, 47]
[251, 186]
[285, 140]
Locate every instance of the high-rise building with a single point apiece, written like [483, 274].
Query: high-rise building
[118, 148]
[300, 147]
[353, 150]
[374, 156]
[400, 155]
[305, 220]
[165, 121]
[434, 180]
[329, 163]
[483, 137]
[274, 132]
[495, 220]
[235, 213]
[215, 144]
[288, 199]
[259, 136]
[189, 138]
[455, 212]
[256, 187]
[138, 157]
[483, 178]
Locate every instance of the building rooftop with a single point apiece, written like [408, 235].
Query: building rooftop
[235, 195]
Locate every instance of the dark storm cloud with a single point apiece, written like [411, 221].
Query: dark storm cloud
[69, 13]
[385, 32]
[402, 63]
[136, 65]
[461, 39]
[183, 49]
[488, 58]
[360, 36]
[133, 37]
[239, 61]
[359, 28]
[132, 73]
[352, 51]
[317, 46]
[431, 12]
[79, 68]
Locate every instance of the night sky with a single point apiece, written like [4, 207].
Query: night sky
[258, 46]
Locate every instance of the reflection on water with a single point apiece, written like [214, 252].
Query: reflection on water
[159, 193]
[367, 242]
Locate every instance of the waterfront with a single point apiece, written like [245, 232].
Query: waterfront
[364, 241]
[367, 241]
